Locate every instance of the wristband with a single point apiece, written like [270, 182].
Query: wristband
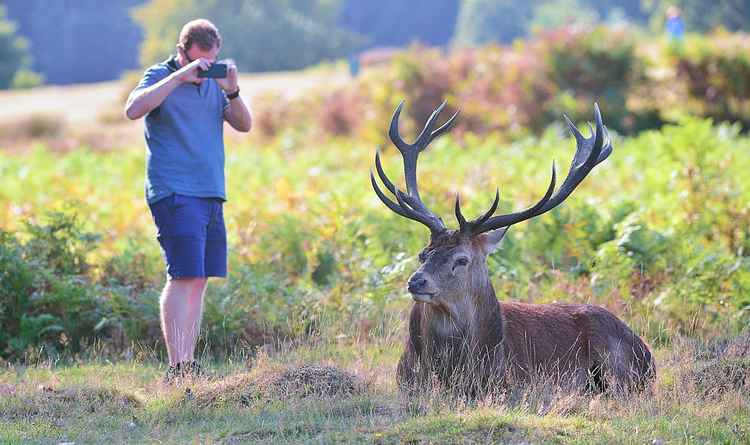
[234, 95]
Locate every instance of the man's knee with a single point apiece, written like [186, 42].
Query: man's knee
[191, 283]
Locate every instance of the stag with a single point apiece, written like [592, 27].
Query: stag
[458, 330]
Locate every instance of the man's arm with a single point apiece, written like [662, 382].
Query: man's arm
[237, 113]
[142, 101]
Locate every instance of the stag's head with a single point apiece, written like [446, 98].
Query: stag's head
[453, 266]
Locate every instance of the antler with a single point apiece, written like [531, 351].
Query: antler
[589, 152]
[410, 204]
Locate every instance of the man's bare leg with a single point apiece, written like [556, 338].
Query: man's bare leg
[193, 319]
[181, 309]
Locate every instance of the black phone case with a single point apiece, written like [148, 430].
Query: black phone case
[216, 71]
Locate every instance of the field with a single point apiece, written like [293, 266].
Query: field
[259, 400]
[659, 234]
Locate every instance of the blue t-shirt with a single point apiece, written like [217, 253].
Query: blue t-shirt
[185, 138]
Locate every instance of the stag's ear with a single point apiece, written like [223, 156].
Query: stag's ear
[492, 239]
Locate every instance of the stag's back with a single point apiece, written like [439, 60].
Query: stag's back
[578, 341]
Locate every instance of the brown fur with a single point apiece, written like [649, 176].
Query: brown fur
[469, 340]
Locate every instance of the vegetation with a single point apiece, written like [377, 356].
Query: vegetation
[260, 36]
[316, 244]
[660, 235]
[640, 83]
[14, 56]
[77, 42]
[277, 397]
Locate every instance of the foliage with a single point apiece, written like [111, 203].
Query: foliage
[47, 303]
[261, 36]
[485, 21]
[77, 42]
[519, 89]
[658, 233]
[13, 51]
[551, 15]
[597, 65]
[25, 79]
[716, 74]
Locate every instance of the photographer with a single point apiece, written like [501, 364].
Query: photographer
[185, 108]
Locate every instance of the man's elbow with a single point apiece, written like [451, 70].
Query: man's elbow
[131, 113]
[244, 126]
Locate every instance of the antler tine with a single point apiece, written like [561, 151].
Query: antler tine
[410, 203]
[470, 226]
[459, 216]
[393, 130]
[410, 152]
[589, 152]
[498, 221]
[404, 210]
[383, 177]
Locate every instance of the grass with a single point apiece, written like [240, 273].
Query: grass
[93, 400]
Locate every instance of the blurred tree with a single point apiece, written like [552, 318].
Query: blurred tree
[485, 21]
[78, 40]
[562, 13]
[631, 10]
[262, 35]
[14, 55]
[399, 23]
[502, 21]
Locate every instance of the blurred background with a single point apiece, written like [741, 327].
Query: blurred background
[660, 233]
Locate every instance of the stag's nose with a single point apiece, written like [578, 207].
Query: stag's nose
[417, 283]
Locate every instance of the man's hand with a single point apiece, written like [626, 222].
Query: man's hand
[229, 84]
[189, 73]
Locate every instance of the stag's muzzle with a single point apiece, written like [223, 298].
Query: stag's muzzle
[419, 288]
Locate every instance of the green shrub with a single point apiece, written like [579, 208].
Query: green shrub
[716, 73]
[599, 65]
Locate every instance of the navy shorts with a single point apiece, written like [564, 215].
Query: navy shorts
[192, 235]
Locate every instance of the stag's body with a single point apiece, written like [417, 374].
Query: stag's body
[459, 332]
[578, 345]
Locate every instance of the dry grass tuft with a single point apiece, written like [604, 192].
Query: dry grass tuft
[292, 383]
[239, 389]
[314, 380]
[711, 368]
[722, 375]
[46, 401]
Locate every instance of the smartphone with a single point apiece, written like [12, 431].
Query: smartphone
[216, 71]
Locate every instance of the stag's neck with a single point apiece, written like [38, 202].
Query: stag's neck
[476, 319]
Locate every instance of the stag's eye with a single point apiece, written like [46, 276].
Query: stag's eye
[463, 261]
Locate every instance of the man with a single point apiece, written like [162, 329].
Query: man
[185, 186]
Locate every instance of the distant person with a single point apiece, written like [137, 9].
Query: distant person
[353, 65]
[185, 186]
[674, 25]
